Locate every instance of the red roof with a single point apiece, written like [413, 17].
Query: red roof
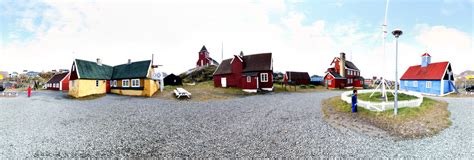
[434, 71]
[426, 54]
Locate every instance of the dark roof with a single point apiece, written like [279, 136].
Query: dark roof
[252, 63]
[57, 78]
[251, 74]
[335, 75]
[257, 62]
[91, 70]
[132, 70]
[203, 48]
[351, 65]
[434, 71]
[297, 75]
[224, 67]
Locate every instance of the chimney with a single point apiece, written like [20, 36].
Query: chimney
[129, 61]
[241, 53]
[425, 60]
[99, 61]
[342, 64]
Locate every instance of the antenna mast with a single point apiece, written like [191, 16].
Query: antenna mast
[383, 83]
[222, 52]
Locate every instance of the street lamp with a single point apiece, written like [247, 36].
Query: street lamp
[397, 33]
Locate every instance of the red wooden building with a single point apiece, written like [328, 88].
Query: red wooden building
[251, 72]
[59, 82]
[205, 59]
[297, 78]
[343, 77]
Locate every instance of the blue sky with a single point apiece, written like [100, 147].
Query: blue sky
[32, 30]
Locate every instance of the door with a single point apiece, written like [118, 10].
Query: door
[224, 82]
[107, 86]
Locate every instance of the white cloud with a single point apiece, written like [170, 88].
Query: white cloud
[175, 31]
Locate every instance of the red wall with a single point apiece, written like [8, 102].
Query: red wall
[268, 84]
[73, 75]
[65, 83]
[202, 56]
[249, 85]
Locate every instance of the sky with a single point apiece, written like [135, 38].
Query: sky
[303, 35]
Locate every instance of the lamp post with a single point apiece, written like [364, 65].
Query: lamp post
[397, 33]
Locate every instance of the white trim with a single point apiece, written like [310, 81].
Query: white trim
[430, 84]
[442, 79]
[125, 80]
[261, 77]
[135, 81]
[250, 90]
[249, 79]
[77, 70]
[114, 83]
[441, 89]
[148, 70]
[258, 82]
[268, 89]
[234, 58]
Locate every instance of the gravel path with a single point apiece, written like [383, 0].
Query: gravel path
[289, 125]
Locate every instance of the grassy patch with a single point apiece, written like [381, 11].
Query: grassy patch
[377, 97]
[203, 91]
[427, 120]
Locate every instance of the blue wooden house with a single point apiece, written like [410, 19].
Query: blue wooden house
[429, 78]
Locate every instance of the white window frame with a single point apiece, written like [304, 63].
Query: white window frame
[137, 83]
[249, 79]
[123, 83]
[264, 77]
[415, 83]
[406, 83]
[429, 84]
[329, 82]
[114, 83]
[97, 84]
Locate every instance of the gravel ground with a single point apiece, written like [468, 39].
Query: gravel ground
[272, 125]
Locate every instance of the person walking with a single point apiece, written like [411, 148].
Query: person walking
[354, 101]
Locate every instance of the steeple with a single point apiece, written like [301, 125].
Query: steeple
[425, 60]
[203, 48]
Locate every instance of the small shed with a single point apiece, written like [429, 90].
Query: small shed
[172, 80]
[59, 82]
[298, 78]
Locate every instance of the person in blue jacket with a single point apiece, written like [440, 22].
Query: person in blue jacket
[354, 101]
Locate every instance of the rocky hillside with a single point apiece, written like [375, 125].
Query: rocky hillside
[198, 74]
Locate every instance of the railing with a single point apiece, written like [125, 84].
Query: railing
[382, 106]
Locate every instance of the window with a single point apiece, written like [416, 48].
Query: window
[57, 85]
[96, 83]
[428, 84]
[329, 82]
[114, 83]
[249, 79]
[264, 77]
[135, 82]
[415, 83]
[125, 83]
[406, 83]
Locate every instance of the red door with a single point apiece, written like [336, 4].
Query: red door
[107, 86]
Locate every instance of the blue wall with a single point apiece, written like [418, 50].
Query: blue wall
[435, 86]
[447, 87]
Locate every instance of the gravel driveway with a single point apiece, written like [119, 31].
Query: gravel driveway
[289, 125]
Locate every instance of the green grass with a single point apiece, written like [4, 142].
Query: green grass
[300, 88]
[428, 119]
[377, 97]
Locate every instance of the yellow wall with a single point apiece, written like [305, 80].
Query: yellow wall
[149, 88]
[82, 87]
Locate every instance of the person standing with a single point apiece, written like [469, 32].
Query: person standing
[29, 91]
[354, 101]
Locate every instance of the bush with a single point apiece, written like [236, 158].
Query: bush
[311, 86]
[303, 86]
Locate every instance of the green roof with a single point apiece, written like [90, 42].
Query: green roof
[132, 70]
[91, 70]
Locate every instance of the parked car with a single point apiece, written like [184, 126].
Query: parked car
[1, 88]
[470, 89]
